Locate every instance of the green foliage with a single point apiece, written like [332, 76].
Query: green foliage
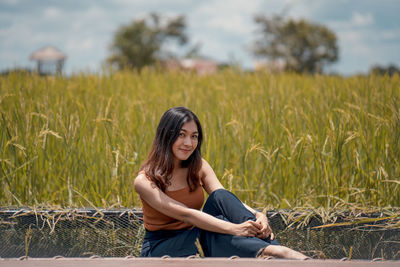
[302, 45]
[140, 43]
[381, 70]
[277, 141]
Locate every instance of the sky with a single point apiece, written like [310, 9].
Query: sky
[368, 31]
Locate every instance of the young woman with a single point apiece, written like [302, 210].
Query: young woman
[170, 184]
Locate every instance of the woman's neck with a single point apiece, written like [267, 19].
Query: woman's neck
[178, 179]
[177, 164]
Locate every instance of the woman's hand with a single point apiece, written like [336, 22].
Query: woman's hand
[265, 230]
[248, 228]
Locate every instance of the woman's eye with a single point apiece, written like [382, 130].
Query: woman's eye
[181, 134]
[195, 137]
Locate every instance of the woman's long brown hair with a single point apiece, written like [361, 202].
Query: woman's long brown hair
[160, 163]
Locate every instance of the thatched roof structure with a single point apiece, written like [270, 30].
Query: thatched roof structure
[49, 60]
[48, 53]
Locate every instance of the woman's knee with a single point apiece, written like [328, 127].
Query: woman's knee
[220, 194]
[214, 200]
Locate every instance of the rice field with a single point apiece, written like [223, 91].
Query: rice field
[277, 141]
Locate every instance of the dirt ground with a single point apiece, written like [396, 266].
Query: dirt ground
[181, 262]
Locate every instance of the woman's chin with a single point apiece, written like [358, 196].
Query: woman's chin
[184, 158]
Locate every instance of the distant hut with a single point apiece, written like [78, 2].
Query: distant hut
[49, 60]
[198, 66]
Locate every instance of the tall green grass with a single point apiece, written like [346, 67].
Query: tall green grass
[277, 141]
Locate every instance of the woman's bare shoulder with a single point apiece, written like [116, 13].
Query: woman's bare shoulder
[140, 179]
[206, 169]
[205, 165]
[141, 175]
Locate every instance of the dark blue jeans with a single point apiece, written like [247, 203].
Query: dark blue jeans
[181, 243]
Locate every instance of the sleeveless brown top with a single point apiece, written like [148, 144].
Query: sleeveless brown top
[154, 220]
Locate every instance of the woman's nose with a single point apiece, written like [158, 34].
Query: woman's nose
[187, 141]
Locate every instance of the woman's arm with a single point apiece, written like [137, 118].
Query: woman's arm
[168, 206]
[211, 183]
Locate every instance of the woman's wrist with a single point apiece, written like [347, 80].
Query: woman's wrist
[231, 229]
[259, 214]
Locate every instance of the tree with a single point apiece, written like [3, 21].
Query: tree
[381, 70]
[302, 45]
[140, 43]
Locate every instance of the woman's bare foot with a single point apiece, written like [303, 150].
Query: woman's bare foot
[283, 252]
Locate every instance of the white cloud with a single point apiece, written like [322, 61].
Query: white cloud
[234, 18]
[88, 43]
[302, 9]
[77, 47]
[11, 2]
[390, 34]
[51, 12]
[359, 19]
[236, 24]
[17, 33]
[224, 29]
[356, 42]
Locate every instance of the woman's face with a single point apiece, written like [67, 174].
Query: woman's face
[186, 142]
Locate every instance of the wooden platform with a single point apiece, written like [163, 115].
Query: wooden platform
[184, 262]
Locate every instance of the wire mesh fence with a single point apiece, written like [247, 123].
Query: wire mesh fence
[119, 233]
